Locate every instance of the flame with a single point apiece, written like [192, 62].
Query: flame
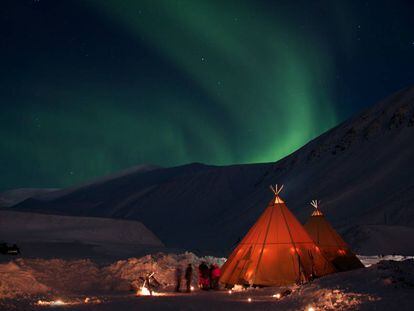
[277, 296]
[143, 291]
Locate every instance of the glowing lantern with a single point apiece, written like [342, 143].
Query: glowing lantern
[230, 292]
[249, 299]
[294, 250]
[277, 296]
[341, 252]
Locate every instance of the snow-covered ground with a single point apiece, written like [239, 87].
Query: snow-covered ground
[85, 285]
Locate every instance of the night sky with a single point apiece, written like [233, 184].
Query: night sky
[91, 87]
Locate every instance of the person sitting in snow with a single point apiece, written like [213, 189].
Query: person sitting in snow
[188, 277]
[178, 276]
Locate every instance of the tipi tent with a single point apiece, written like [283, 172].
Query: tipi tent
[276, 251]
[330, 242]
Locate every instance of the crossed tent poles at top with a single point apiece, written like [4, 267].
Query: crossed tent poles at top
[276, 190]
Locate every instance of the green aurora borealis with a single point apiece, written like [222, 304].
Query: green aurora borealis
[270, 86]
[98, 86]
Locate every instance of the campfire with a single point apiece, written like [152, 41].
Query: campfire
[147, 289]
[144, 291]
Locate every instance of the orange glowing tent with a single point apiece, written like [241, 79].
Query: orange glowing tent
[330, 242]
[276, 251]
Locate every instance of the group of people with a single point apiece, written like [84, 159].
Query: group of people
[208, 277]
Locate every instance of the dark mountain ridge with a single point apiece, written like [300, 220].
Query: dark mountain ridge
[362, 171]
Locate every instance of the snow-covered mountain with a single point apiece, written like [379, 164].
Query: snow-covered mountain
[14, 196]
[362, 171]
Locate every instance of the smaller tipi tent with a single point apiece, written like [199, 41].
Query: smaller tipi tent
[330, 242]
[276, 251]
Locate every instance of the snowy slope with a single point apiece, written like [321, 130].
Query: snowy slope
[361, 170]
[381, 239]
[41, 235]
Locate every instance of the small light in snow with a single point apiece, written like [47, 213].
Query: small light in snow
[230, 292]
[277, 296]
[57, 302]
[192, 288]
[249, 299]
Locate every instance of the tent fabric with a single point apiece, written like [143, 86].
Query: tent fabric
[334, 248]
[276, 251]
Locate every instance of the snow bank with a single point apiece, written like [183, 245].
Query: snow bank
[372, 260]
[378, 287]
[163, 265]
[24, 277]
[15, 281]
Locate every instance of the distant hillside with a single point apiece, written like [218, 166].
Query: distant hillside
[361, 171]
[12, 197]
[41, 235]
